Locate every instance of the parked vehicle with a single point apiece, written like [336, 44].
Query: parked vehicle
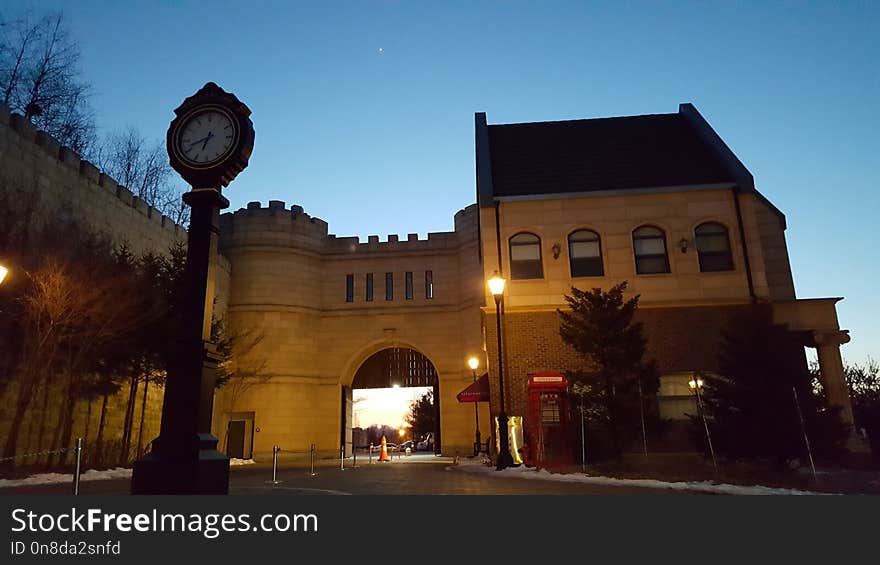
[427, 444]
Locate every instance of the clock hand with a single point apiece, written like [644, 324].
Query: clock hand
[196, 142]
[207, 139]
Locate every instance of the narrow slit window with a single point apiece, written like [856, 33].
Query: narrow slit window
[429, 284]
[349, 288]
[369, 287]
[389, 286]
[409, 285]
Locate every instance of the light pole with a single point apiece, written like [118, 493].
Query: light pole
[496, 286]
[473, 363]
[696, 384]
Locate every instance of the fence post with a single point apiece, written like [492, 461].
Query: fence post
[312, 459]
[79, 447]
[275, 450]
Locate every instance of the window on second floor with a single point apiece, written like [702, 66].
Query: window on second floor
[429, 285]
[525, 257]
[713, 247]
[369, 287]
[389, 286]
[585, 254]
[409, 285]
[649, 246]
[349, 288]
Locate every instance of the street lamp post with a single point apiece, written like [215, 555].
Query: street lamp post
[473, 363]
[496, 286]
[696, 384]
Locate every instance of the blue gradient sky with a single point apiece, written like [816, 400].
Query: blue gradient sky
[382, 142]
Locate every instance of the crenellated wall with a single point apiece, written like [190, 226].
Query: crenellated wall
[288, 281]
[51, 181]
[41, 181]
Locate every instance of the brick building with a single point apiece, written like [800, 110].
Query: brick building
[658, 201]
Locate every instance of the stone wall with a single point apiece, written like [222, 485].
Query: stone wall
[47, 181]
[59, 184]
[288, 280]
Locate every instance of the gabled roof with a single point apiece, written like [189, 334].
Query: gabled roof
[635, 152]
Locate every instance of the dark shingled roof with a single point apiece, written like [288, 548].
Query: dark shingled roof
[601, 154]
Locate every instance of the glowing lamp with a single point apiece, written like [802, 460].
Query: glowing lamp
[496, 284]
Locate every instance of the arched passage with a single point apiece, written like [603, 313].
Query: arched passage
[393, 367]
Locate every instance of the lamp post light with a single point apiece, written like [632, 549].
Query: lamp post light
[496, 287]
[696, 384]
[3, 272]
[473, 363]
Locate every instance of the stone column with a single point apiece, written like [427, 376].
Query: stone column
[827, 346]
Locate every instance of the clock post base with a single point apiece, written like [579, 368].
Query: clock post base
[204, 471]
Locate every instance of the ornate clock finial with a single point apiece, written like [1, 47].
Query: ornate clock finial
[211, 138]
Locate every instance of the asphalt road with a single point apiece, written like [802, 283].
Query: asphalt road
[422, 475]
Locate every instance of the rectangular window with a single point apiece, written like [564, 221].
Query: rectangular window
[389, 286]
[409, 285]
[349, 288]
[429, 284]
[549, 408]
[369, 287]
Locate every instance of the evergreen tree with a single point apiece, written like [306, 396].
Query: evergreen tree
[421, 415]
[600, 327]
[751, 405]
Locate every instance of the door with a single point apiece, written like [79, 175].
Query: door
[235, 439]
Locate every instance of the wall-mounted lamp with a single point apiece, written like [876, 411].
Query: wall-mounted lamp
[683, 244]
[557, 249]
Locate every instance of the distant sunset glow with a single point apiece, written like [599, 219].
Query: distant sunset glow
[384, 406]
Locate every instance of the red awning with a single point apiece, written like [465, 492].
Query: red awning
[478, 391]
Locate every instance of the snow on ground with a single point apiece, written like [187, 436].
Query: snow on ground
[90, 475]
[524, 472]
[49, 478]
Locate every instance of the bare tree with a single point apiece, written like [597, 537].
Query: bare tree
[241, 366]
[143, 168]
[39, 70]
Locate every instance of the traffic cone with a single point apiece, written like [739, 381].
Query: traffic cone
[383, 451]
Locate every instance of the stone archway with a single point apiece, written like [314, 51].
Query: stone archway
[393, 366]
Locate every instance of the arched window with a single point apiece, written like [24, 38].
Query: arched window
[649, 245]
[713, 247]
[585, 254]
[525, 257]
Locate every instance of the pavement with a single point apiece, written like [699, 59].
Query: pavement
[421, 474]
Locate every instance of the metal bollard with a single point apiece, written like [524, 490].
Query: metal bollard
[354, 456]
[312, 459]
[79, 448]
[371, 454]
[342, 457]
[275, 450]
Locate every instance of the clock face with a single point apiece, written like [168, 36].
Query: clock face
[207, 137]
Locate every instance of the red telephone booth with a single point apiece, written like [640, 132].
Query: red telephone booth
[547, 426]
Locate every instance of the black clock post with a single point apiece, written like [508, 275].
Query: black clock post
[184, 458]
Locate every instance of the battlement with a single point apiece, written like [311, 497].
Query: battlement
[278, 225]
[21, 143]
